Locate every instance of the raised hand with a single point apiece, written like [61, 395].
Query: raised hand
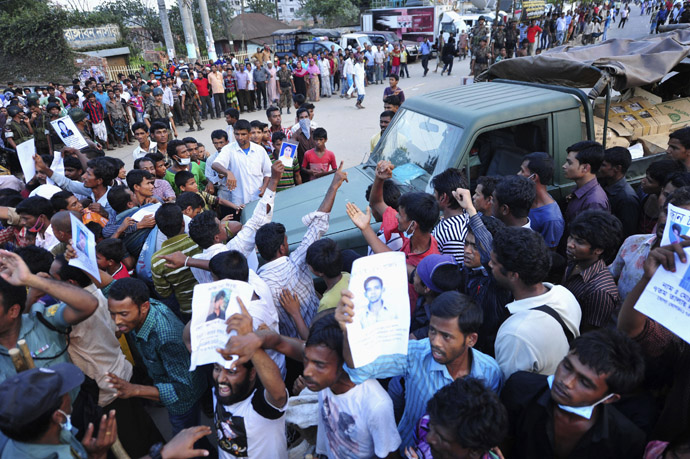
[13, 269]
[290, 302]
[339, 176]
[464, 198]
[181, 446]
[359, 218]
[107, 435]
[384, 170]
[242, 322]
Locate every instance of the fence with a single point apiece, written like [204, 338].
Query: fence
[114, 70]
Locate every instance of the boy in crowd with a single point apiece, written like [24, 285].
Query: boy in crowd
[318, 161]
[625, 203]
[512, 200]
[483, 195]
[291, 176]
[185, 181]
[109, 255]
[581, 166]
[451, 231]
[594, 237]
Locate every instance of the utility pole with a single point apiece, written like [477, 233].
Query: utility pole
[277, 17]
[167, 33]
[188, 31]
[208, 33]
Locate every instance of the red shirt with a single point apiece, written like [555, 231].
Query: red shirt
[390, 225]
[532, 33]
[121, 273]
[316, 163]
[201, 86]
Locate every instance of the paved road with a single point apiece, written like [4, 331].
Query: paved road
[350, 129]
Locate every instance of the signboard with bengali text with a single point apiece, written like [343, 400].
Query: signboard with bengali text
[92, 36]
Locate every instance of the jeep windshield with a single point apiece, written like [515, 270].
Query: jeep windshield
[419, 147]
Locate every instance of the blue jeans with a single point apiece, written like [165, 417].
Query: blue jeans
[191, 418]
[343, 86]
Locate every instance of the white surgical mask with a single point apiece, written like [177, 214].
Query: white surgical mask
[582, 411]
[406, 233]
[184, 161]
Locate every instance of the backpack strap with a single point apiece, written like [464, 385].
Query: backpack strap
[557, 317]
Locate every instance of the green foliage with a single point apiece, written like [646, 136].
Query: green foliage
[267, 7]
[331, 13]
[26, 29]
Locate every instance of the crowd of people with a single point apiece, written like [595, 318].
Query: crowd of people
[524, 340]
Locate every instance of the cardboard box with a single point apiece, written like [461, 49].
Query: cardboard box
[632, 105]
[640, 123]
[673, 115]
[652, 98]
[654, 144]
[616, 134]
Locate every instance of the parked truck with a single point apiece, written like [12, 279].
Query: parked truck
[487, 128]
[412, 23]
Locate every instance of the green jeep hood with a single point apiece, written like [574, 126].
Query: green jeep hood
[292, 204]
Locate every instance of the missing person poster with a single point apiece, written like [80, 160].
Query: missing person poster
[84, 243]
[666, 299]
[58, 165]
[212, 304]
[287, 153]
[25, 152]
[677, 225]
[381, 322]
[68, 133]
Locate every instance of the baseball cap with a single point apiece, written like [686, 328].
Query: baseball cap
[26, 395]
[427, 267]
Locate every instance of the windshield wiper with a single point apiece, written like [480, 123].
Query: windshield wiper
[369, 164]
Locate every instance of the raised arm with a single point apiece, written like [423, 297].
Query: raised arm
[363, 222]
[339, 177]
[384, 171]
[80, 303]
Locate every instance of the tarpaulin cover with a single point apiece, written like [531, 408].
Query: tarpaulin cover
[631, 63]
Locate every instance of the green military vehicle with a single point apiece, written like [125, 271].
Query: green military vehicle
[484, 129]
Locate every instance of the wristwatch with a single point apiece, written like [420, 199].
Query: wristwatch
[155, 451]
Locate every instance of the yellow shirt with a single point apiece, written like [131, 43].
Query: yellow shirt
[331, 297]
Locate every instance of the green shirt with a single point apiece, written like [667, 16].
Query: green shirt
[195, 169]
[159, 342]
[287, 180]
[331, 297]
[181, 281]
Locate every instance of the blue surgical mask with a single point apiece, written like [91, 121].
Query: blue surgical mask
[407, 234]
[67, 425]
[582, 411]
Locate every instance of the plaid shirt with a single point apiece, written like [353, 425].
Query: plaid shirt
[293, 274]
[597, 293]
[159, 341]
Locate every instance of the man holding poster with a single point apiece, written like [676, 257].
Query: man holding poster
[431, 363]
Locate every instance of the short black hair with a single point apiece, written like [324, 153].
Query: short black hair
[104, 168]
[387, 114]
[276, 136]
[219, 134]
[140, 125]
[242, 125]
[449, 305]
[270, 110]
[256, 124]
[171, 149]
[37, 259]
[678, 179]
[392, 100]
[422, 208]
[118, 198]
[588, 152]
[680, 197]
[448, 181]
[516, 192]
[298, 99]
[660, 170]
[394, 76]
[112, 249]
[68, 272]
[157, 126]
[70, 162]
[540, 163]
[229, 265]
[190, 199]
[618, 156]
[143, 159]
[681, 135]
[471, 412]
[187, 140]
[320, 133]
[182, 177]
[203, 228]
[169, 219]
[391, 193]
[136, 176]
[35, 206]
[522, 251]
[614, 354]
[488, 185]
[324, 256]
[59, 200]
[326, 332]
[268, 239]
[300, 111]
[447, 278]
[129, 287]
[600, 229]
[233, 112]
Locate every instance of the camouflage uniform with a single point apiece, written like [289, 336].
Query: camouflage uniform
[498, 40]
[285, 82]
[477, 34]
[41, 132]
[481, 60]
[191, 108]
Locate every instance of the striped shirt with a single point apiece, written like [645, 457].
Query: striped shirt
[287, 180]
[450, 236]
[292, 273]
[179, 281]
[423, 378]
[95, 111]
[597, 293]
[159, 342]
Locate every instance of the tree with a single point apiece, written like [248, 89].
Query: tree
[138, 14]
[332, 12]
[267, 7]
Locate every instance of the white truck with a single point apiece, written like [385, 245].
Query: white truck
[353, 40]
[412, 23]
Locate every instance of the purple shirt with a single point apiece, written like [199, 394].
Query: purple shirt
[242, 78]
[389, 92]
[589, 196]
